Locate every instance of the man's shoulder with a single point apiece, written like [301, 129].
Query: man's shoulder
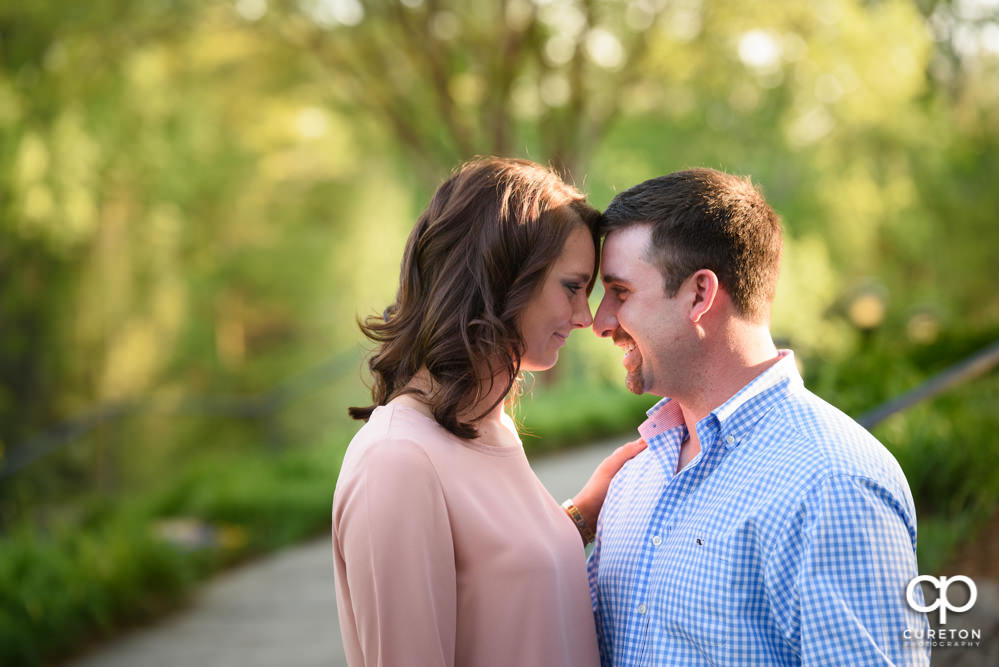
[817, 419]
[829, 442]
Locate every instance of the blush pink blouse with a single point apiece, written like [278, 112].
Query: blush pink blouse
[451, 552]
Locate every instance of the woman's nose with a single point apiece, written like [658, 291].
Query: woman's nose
[581, 316]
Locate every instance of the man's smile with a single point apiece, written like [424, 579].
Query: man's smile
[632, 357]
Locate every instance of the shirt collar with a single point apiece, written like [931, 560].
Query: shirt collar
[662, 417]
[740, 412]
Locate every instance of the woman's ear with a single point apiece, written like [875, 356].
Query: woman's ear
[704, 288]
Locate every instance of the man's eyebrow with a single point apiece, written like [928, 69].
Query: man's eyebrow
[611, 278]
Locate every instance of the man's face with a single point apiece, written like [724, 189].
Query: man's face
[635, 312]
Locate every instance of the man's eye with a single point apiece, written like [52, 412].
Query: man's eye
[620, 293]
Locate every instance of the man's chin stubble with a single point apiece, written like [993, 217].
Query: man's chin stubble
[634, 382]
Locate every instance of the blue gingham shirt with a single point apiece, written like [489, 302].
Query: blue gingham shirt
[789, 539]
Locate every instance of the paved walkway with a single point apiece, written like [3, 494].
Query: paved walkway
[282, 610]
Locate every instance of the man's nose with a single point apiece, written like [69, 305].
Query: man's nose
[605, 321]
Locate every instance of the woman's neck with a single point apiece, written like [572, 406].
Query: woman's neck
[485, 414]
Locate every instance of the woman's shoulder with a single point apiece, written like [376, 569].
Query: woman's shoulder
[397, 421]
[390, 464]
[395, 434]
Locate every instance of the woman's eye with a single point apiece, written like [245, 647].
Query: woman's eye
[573, 287]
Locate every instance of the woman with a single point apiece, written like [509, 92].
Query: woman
[447, 548]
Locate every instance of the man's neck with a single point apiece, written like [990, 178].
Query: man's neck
[742, 354]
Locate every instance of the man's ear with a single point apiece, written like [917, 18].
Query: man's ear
[704, 288]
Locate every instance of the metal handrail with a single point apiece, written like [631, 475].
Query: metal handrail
[963, 371]
[236, 407]
[257, 407]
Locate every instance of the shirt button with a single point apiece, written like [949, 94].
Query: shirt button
[642, 609]
[730, 439]
[657, 540]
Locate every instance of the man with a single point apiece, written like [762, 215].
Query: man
[761, 525]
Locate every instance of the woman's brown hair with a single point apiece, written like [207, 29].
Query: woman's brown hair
[473, 261]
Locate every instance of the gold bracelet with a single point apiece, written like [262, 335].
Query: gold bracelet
[585, 532]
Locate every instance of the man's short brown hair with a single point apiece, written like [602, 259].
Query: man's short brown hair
[707, 219]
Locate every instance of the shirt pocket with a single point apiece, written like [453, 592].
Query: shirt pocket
[698, 600]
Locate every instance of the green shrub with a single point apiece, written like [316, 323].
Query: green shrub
[945, 445]
[572, 413]
[62, 587]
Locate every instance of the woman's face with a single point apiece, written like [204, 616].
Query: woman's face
[560, 305]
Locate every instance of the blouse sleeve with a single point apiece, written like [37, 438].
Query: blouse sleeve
[395, 559]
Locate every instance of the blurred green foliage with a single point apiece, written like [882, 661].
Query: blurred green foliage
[945, 446]
[199, 198]
[74, 581]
